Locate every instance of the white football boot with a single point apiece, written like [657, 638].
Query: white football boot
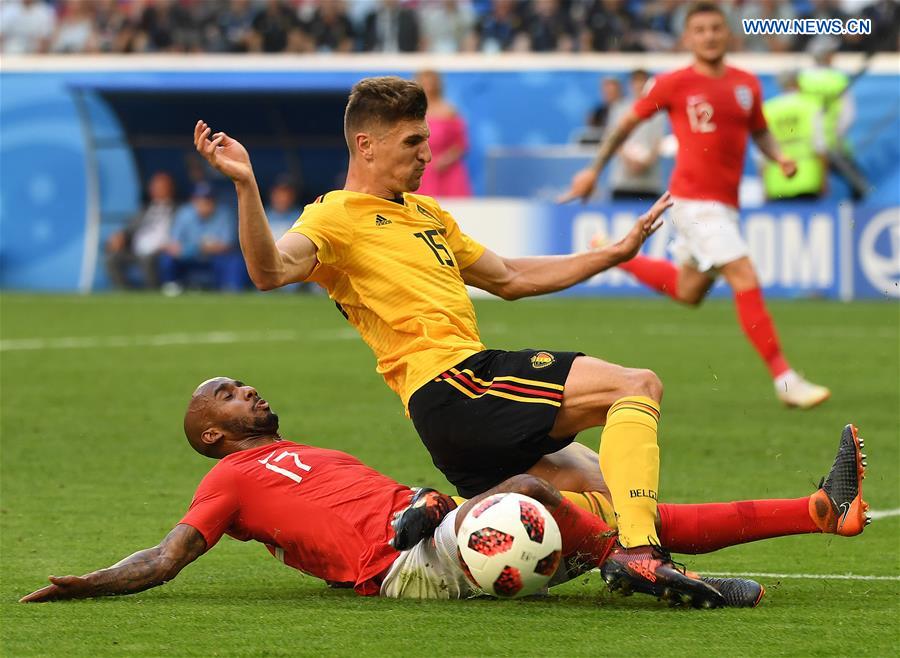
[795, 391]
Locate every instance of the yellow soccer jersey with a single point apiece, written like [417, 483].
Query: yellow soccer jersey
[394, 271]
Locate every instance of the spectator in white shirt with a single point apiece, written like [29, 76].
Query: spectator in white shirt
[141, 242]
[26, 27]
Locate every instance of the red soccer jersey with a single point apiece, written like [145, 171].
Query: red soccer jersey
[320, 511]
[711, 118]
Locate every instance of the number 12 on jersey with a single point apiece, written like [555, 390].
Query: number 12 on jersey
[270, 464]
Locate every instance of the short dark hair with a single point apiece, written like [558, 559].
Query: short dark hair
[639, 73]
[384, 100]
[703, 8]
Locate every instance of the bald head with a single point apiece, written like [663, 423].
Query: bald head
[197, 417]
[225, 415]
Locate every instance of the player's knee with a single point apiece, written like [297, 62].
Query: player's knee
[692, 299]
[533, 487]
[646, 383]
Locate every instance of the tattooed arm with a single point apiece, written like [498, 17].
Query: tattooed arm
[137, 572]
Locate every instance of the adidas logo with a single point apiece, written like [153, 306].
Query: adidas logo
[382, 221]
[644, 568]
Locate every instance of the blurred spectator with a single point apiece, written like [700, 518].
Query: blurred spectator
[795, 121]
[828, 86]
[501, 29]
[330, 29]
[26, 26]
[164, 26]
[598, 119]
[658, 30]
[282, 210]
[75, 30]
[635, 173]
[771, 9]
[445, 175]
[391, 28]
[235, 27]
[885, 17]
[113, 29]
[820, 9]
[447, 26]
[276, 29]
[201, 250]
[549, 27]
[441, 26]
[609, 25]
[141, 242]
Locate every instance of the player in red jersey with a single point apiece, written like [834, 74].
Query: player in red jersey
[712, 108]
[329, 515]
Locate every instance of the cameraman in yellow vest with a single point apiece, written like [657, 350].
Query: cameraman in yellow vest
[829, 87]
[796, 122]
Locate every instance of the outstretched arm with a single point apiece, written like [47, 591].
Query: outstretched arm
[766, 143]
[137, 572]
[582, 185]
[513, 278]
[269, 264]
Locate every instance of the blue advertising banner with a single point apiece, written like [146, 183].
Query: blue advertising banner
[876, 242]
[802, 250]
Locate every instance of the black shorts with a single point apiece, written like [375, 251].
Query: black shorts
[489, 417]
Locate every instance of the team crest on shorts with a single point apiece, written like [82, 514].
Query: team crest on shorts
[542, 360]
[744, 97]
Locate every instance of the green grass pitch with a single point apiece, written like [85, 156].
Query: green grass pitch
[95, 466]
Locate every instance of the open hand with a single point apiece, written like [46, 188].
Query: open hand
[645, 226]
[581, 187]
[62, 587]
[225, 154]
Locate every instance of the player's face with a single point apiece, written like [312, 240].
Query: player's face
[239, 408]
[706, 36]
[400, 155]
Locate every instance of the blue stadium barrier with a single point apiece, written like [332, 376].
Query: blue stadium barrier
[800, 250]
[71, 173]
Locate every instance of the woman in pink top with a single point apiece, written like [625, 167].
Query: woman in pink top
[446, 176]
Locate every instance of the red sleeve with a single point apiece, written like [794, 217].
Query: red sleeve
[214, 507]
[655, 97]
[757, 118]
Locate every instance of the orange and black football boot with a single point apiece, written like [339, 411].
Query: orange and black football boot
[426, 510]
[838, 506]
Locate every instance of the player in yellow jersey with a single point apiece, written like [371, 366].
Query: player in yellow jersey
[396, 264]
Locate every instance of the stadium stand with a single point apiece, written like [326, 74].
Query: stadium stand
[307, 26]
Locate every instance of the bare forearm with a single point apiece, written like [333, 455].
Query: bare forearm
[136, 573]
[545, 274]
[264, 262]
[613, 141]
[767, 145]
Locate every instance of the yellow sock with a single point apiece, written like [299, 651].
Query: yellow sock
[629, 460]
[595, 503]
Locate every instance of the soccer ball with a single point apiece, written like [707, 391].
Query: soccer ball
[509, 545]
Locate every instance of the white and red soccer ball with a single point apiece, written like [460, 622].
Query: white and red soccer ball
[510, 545]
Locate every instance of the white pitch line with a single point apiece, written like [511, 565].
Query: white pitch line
[163, 340]
[884, 513]
[807, 576]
